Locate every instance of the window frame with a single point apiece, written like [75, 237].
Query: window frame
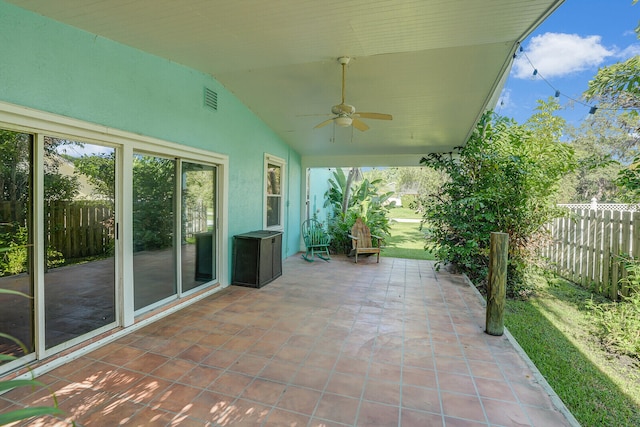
[281, 163]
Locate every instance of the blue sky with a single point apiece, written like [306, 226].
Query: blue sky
[567, 50]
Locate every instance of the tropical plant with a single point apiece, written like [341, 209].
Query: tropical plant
[348, 201]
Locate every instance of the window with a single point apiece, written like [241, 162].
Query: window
[274, 182]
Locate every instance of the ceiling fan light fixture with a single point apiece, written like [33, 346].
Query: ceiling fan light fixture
[343, 121]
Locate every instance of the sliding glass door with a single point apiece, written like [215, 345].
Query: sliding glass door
[154, 267]
[16, 244]
[79, 215]
[198, 230]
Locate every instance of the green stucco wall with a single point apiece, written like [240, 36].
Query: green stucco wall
[318, 186]
[52, 67]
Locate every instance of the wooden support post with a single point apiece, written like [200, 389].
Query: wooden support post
[497, 284]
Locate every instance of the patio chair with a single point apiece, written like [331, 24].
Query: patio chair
[316, 239]
[361, 242]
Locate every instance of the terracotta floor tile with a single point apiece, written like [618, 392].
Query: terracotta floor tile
[321, 360]
[345, 384]
[456, 383]
[176, 398]
[376, 414]
[452, 364]
[282, 418]
[413, 418]
[385, 371]
[291, 354]
[299, 399]
[149, 417]
[249, 364]
[420, 377]
[113, 413]
[337, 408]
[462, 406]
[531, 394]
[214, 339]
[195, 353]
[122, 355]
[173, 369]
[308, 376]
[146, 389]
[279, 371]
[485, 370]
[172, 347]
[494, 389]
[243, 413]
[504, 413]
[541, 417]
[264, 391]
[230, 383]
[350, 365]
[147, 362]
[200, 376]
[382, 392]
[420, 398]
[457, 422]
[209, 406]
[221, 359]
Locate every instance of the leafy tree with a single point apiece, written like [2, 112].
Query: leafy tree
[619, 85]
[604, 145]
[100, 170]
[153, 189]
[505, 178]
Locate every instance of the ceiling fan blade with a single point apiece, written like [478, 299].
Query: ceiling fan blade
[377, 116]
[326, 122]
[359, 124]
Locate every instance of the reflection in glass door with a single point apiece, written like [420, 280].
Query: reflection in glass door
[198, 246]
[79, 215]
[154, 267]
[16, 255]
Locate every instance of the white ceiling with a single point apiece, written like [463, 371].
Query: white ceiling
[435, 65]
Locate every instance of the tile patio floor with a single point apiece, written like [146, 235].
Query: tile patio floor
[326, 344]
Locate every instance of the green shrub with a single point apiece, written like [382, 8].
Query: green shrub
[504, 179]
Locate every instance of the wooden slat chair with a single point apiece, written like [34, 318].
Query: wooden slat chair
[361, 240]
[316, 239]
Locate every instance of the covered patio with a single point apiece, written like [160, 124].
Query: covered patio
[326, 344]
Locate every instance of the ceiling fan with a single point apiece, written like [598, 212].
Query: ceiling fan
[345, 114]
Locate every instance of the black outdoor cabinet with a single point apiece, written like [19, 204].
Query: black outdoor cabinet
[257, 258]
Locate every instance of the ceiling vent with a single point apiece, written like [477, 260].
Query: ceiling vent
[210, 99]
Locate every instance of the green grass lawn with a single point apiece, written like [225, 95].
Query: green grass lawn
[406, 241]
[402, 212]
[555, 329]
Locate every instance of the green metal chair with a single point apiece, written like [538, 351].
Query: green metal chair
[316, 239]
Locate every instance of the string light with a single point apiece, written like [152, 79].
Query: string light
[557, 93]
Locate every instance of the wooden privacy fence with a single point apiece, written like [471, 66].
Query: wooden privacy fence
[587, 245]
[79, 228]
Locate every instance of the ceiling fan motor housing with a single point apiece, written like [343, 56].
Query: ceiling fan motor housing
[343, 109]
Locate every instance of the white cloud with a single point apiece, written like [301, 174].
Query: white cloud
[505, 100]
[629, 52]
[559, 54]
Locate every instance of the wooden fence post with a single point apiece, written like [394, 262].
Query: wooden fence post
[497, 283]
